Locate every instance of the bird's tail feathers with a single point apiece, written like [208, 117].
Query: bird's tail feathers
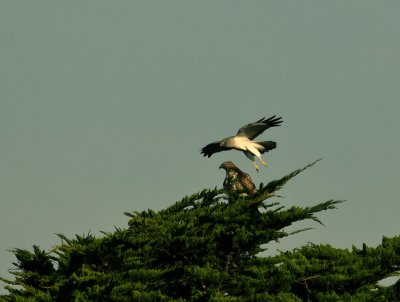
[269, 145]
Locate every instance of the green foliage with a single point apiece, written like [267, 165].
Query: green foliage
[206, 247]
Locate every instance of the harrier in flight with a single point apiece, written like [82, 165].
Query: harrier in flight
[243, 141]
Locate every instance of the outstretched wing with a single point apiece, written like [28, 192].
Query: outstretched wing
[253, 130]
[212, 148]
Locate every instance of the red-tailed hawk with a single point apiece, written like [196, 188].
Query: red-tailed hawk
[243, 141]
[237, 181]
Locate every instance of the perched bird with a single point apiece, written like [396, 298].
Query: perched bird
[237, 181]
[243, 141]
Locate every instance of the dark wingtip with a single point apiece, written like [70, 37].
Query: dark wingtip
[274, 121]
[205, 153]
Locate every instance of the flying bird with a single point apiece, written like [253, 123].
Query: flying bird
[243, 141]
[237, 181]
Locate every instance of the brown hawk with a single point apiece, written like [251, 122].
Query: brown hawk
[237, 181]
[243, 141]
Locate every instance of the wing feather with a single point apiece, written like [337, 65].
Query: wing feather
[249, 184]
[212, 148]
[253, 130]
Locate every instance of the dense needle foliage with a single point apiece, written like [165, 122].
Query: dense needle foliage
[206, 247]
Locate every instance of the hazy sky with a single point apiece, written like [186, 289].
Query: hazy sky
[104, 106]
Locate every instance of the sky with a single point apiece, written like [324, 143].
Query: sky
[104, 107]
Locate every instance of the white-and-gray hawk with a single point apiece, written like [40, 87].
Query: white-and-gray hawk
[243, 140]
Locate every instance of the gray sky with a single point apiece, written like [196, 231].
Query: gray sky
[104, 107]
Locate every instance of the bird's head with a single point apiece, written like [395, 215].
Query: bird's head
[227, 165]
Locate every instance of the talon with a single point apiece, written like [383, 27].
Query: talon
[255, 166]
[264, 164]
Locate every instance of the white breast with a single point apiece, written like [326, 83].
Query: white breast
[239, 143]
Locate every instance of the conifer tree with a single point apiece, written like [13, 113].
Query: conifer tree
[206, 247]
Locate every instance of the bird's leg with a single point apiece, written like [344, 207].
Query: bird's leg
[263, 161]
[250, 152]
[255, 165]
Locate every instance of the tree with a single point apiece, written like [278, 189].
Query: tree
[206, 247]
